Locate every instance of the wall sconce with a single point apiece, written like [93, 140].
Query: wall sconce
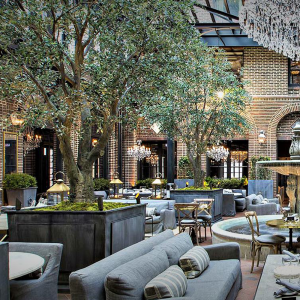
[94, 142]
[261, 137]
[16, 120]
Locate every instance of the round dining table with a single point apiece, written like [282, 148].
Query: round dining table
[22, 263]
[280, 223]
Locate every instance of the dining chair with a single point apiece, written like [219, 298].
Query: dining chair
[258, 241]
[45, 286]
[187, 218]
[204, 212]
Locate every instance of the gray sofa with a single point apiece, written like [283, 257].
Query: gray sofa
[270, 208]
[4, 281]
[164, 217]
[124, 274]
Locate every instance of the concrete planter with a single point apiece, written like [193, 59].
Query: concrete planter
[24, 195]
[180, 183]
[265, 187]
[87, 236]
[189, 196]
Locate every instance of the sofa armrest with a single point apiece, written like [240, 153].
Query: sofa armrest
[274, 200]
[223, 251]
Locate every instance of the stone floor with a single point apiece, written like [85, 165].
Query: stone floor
[250, 280]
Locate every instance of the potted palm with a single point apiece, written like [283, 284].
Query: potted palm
[20, 186]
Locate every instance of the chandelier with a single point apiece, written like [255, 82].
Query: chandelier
[239, 155]
[152, 159]
[273, 24]
[139, 151]
[217, 153]
[30, 140]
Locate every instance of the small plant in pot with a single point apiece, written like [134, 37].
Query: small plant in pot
[21, 186]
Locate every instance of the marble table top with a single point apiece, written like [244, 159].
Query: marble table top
[21, 263]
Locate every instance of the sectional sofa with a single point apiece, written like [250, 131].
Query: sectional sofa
[123, 275]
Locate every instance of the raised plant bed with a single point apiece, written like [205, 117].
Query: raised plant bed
[87, 236]
[188, 196]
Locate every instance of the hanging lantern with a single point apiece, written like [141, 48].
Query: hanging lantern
[58, 191]
[116, 183]
[157, 183]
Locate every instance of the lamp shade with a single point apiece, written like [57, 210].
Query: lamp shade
[116, 181]
[58, 187]
[157, 181]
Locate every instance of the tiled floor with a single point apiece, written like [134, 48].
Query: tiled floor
[250, 280]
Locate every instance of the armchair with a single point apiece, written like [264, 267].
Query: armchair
[45, 287]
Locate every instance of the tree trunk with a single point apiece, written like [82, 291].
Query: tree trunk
[84, 187]
[196, 165]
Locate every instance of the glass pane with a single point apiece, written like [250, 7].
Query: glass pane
[10, 153]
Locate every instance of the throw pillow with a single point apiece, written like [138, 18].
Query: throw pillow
[170, 283]
[150, 211]
[256, 201]
[194, 262]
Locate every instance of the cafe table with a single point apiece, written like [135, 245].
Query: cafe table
[280, 223]
[21, 263]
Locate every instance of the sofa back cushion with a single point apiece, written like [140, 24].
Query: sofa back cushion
[169, 284]
[176, 247]
[129, 280]
[249, 199]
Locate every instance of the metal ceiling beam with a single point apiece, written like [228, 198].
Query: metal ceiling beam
[217, 25]
[216, 11]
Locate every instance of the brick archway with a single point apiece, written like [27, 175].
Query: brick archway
[272, 126]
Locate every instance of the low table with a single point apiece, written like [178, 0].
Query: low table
[267, 282]
[21, 263]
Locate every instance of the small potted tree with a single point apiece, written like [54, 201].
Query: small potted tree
[21, 186]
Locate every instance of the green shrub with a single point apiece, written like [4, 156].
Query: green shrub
[148, 183]
[192, 188]
[83, 206]
[101, 184]
[233, 183]
[18, 181]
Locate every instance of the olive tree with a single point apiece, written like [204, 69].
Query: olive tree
[75, 65]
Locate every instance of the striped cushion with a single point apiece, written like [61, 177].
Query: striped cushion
[194, 262]
[168, 284]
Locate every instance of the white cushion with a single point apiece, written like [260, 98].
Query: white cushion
[227, 191]
[150, 211]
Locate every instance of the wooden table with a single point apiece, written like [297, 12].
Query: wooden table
[21, 263]
[280, 223]
[267, 282]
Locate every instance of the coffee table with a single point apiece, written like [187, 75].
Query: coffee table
[267, 282]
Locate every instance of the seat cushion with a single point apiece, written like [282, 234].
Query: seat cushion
[204, 217]
[170, 283]
[215, 282]
[129, 280]
[270, 239]
[175, 247]
[194, 262]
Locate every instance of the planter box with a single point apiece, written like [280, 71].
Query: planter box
[263, 186]
[180, 183]
[189, 196]
[87, 236]
[24, 195]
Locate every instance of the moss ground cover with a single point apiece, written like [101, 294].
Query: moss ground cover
[82, 206]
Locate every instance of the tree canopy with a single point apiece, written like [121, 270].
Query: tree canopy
[74, 65]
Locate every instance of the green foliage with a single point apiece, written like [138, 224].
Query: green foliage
[18, 181]
[192, 188]
[190, 110]
[101, 184]
[82, 206]
[148, 183]
[259, 173]
[185, 168]
[233, 183]
[80, 63]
